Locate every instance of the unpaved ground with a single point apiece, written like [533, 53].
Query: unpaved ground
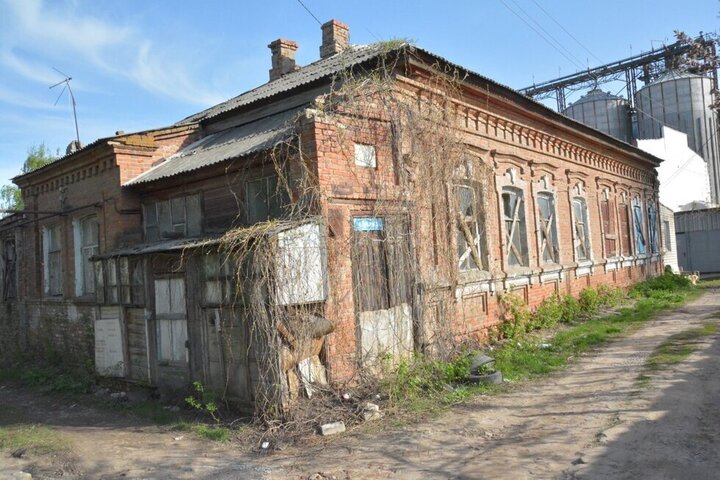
[592, 420]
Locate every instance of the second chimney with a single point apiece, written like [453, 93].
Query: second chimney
[335, 38]
[283, 57]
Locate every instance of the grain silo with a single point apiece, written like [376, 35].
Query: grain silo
[603, 111]
[682, 101]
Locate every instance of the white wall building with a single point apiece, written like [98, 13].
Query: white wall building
[683, 175]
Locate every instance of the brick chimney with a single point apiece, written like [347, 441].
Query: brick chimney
[335, 38]
[283, 57]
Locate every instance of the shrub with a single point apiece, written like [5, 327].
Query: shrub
[417, 376]
[570, 309]
[610, 296]
[516, 316]
[589, 301]
[548, 313]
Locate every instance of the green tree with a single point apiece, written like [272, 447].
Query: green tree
[37, 156]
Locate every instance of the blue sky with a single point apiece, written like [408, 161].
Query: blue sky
[142, 64]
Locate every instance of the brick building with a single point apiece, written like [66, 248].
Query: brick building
[384, 199]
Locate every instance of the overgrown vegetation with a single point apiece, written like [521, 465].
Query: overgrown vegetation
[52, 379]
[37, 156]
[535, 348]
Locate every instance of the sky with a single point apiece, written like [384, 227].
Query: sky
[137, 65]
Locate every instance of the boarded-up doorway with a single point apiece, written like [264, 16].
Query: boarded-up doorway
[382, 273]
[171, 332]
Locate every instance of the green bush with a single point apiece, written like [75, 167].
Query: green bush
[610, 296]
[516, 316]
[589, 301]
[667, 282]
[570, 309]
[417, 376]
[548, 313]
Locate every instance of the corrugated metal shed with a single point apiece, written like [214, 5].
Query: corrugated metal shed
[697, 220]
[231, 143]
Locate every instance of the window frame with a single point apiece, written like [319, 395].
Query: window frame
[276, 198]
[52, 250]
[84, 268]
[473, 257]
[652, 221]
[607, 206]
[639, 234]
[583, 222]
[547, 226]
[518, 217]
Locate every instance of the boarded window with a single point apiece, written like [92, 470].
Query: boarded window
[171, 320]
[548, 231]
[625, 236]
[88, 247]
[381, 263]
[652, 229]
[365, 156]
[609, 231]
[469, 237]
[580, 229]
[640, 243]
[515, 227]
[175, 218]
[53, 260]
[265, 199]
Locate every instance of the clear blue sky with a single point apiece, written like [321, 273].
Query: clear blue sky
[145, 64]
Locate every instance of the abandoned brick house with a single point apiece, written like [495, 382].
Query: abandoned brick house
[378, 200]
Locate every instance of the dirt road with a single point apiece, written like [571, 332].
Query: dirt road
[593, 420]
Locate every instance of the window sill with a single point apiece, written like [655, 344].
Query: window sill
[584, 268]
[473, 283]
[613, 263]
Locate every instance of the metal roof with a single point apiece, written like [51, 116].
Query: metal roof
[317, 70]
[173, 245]
[231, 143]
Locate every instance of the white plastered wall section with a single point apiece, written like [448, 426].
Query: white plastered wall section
[683, 174]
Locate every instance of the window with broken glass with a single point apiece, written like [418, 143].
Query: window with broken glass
[549, 250]
[580, 229]
[640, 242]
[178, 217]
[469, 231]
[515, 227]
[652, 229]
[120, 281]
[53, 260]
[265, 199]
[220, 285]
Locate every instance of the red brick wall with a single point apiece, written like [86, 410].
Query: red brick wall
[500, 137]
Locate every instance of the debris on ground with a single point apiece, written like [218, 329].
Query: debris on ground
[332, 428]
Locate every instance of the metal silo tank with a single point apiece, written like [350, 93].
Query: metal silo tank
[603, 111]
[682, 101]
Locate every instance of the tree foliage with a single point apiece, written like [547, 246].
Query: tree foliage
[37, 156]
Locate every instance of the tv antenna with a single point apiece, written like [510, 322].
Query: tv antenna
[66, 85]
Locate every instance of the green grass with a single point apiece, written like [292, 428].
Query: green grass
[15, 433]
[422, 386]
[677, 348]
[53, 379]
[714, 283]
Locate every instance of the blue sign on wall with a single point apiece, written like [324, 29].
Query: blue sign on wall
[368, 224]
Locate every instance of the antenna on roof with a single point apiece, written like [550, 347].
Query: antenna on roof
[66, 83]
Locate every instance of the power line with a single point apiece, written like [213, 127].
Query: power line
[565, 30]
[311, 13]
[551, 40]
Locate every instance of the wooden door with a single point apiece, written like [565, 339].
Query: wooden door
[171, 332]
